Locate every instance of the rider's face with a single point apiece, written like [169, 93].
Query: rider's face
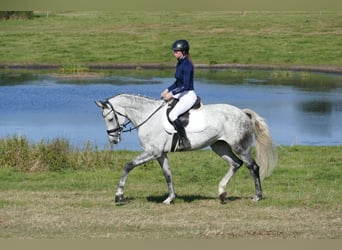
[178, 54]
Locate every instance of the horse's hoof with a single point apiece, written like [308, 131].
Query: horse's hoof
[223, 197]
[119, 199]
[169, 201]
[257, 198]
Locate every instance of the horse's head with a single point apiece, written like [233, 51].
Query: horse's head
[112, 121]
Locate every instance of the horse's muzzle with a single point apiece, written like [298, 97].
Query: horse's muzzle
[114, 135]
[114, 139]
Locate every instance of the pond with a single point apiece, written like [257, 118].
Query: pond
[300, 107]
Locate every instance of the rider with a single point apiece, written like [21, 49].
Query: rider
[182, 89]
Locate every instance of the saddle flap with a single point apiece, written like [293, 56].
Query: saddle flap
[193, 120]
[184, 118]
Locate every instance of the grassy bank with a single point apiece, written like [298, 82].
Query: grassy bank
[302, 197]
[81, 38]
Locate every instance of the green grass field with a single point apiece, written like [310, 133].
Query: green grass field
[83, 38]
[302, 197]
[52, 191]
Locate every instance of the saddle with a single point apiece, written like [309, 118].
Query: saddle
[184, 118]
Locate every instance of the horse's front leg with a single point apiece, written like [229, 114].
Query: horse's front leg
[141, 159]
[164, 164]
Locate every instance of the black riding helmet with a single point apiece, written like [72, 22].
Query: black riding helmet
[181, 45]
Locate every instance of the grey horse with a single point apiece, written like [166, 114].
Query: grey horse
[230, 132]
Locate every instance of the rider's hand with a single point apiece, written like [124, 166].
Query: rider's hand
[166, 95]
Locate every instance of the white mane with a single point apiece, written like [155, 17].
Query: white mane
[141, 99]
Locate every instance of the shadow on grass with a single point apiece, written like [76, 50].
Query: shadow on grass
[189, 198]
[184, 198]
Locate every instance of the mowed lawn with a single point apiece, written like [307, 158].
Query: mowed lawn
[302, 200]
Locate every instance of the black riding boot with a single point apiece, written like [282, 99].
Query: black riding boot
[184, 142]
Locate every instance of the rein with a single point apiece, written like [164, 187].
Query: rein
[129, 121]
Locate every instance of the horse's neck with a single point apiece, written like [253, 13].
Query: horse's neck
[136, 108]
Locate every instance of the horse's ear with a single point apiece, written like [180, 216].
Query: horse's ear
[100, 104]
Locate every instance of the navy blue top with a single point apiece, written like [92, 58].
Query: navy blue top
[184, 77]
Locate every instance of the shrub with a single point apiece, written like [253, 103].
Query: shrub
[16, 15]
[15, 153]
[55, 155]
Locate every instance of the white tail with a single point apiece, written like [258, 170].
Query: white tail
[266, 155]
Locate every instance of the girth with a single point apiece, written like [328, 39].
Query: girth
[184, 118]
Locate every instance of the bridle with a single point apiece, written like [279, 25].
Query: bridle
[120, 128]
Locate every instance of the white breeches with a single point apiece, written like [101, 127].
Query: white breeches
[186, 100]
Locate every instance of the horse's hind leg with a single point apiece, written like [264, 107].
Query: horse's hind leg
[225, 152]
[254, 170]
[164, 164]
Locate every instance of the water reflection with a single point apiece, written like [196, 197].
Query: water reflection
[320, 117]
[300, 108]
[323, 107]
[316, 117]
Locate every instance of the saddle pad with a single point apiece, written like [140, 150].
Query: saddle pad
[197, 122]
